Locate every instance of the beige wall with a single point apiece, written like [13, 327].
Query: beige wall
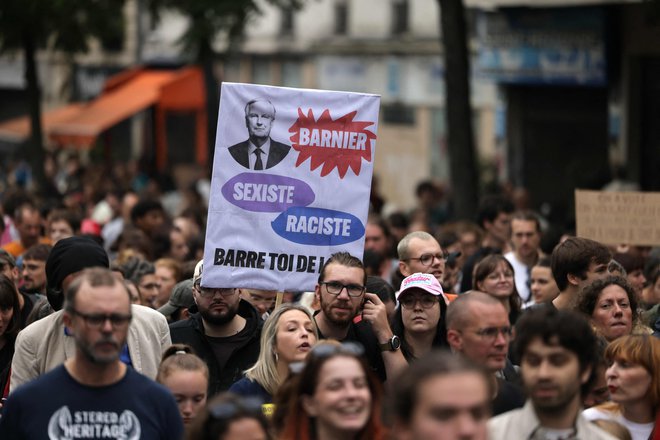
[403, 159]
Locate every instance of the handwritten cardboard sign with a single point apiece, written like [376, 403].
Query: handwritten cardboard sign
[618, 217]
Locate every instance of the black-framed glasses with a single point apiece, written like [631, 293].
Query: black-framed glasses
[491, 333]
[243, 405]
[324, 350]
[427, 259]
[97, 320]
[210, 292]
[335, 288]
[426, 301]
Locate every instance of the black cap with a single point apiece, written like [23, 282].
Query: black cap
[71, 255]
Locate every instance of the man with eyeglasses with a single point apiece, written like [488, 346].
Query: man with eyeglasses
[558, 353]
[478, 328]
[419, 252]
[223, 329]
[47, 343]
[350, 313]
[93, 394]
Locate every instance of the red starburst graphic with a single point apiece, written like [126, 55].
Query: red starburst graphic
[340, 143]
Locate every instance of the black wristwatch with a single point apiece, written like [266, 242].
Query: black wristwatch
[392, 345]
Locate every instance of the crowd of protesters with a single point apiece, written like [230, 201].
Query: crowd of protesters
[445, 329]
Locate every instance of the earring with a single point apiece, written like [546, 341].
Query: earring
[277, 356]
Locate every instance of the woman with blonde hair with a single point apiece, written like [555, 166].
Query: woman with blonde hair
[633, 379]
[288, 335]
[187, 377]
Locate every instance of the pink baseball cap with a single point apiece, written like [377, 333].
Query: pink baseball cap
[424, 281]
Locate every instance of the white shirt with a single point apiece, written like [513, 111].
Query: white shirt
[521, 273]
[638, 431]
[252, 157]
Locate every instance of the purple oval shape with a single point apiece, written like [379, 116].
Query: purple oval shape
[261, 192]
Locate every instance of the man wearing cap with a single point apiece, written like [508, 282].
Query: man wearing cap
[46, 343]
[176, 308]
[420, 318]
[478, 328]
[223, 329]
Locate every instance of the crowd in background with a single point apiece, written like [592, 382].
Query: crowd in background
[356, 357]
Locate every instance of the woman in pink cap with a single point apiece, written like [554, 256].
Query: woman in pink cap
[419, 319]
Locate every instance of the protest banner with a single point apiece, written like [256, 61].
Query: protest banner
[291, 181]
[631, 218]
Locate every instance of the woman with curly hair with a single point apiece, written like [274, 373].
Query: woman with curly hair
[611, 306]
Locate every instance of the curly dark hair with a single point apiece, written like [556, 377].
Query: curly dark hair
[588, 298]
[566, 328]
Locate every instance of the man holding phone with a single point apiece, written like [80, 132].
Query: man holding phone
[350, 313]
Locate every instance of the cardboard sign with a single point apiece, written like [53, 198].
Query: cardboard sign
[291, 182]
[618, 217]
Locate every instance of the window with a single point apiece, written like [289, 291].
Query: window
[287, 22]
[291, 73]
[398, 113]
[399, 17]
[341, 17]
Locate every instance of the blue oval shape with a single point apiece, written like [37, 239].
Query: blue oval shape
[318, 226]
[261, 192]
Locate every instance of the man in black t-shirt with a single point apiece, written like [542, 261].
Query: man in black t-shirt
[93, 395]
[349, 313]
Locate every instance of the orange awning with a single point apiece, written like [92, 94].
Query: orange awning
[18, 129]
[124, 95]
[112, 107]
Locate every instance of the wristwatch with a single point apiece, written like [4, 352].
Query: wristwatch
[392, 345]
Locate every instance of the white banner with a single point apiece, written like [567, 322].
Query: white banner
[291, 181]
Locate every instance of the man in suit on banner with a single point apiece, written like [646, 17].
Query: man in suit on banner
[259, 152]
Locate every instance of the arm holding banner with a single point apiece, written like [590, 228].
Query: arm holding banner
[376, 314]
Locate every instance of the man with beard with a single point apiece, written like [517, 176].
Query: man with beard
[34, 269]
[93, 394]
[349, 313]
[558, 354]
[223, 329]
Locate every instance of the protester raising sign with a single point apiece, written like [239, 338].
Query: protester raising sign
[291, 181]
